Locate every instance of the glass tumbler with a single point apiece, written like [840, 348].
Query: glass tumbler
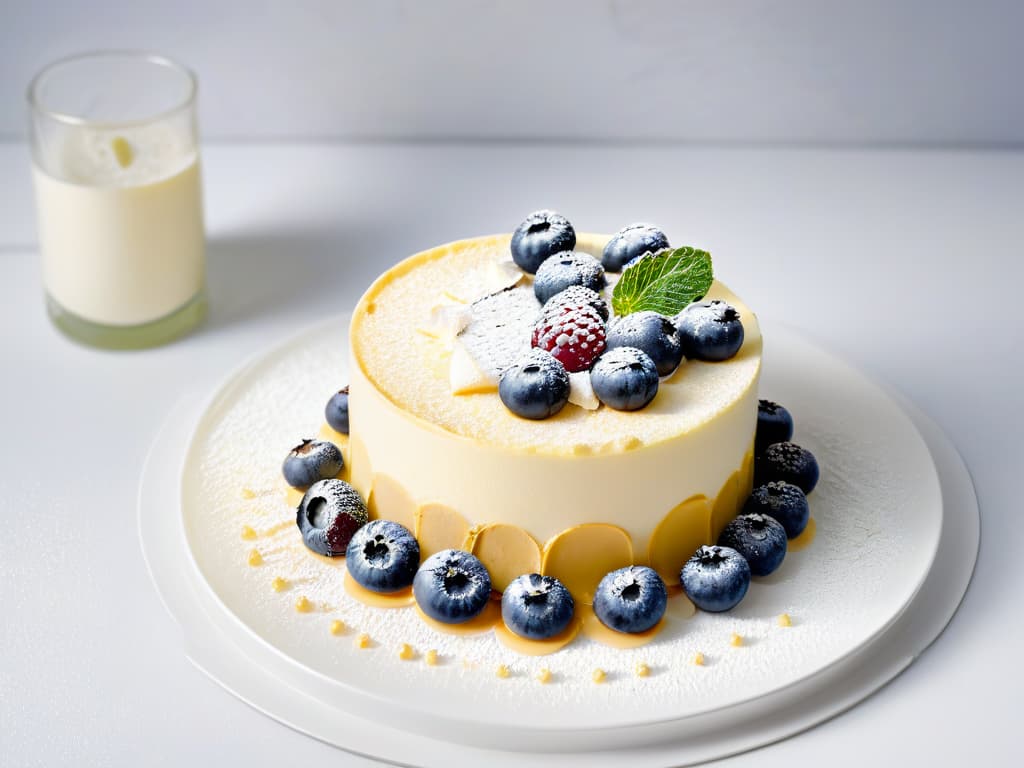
[115, 164]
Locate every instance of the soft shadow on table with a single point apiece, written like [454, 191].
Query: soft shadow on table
[270, 273]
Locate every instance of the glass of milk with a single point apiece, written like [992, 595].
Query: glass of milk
[115, 160]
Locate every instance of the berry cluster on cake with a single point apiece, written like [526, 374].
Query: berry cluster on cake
[554, 420]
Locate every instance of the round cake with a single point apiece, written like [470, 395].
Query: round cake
[574, 496]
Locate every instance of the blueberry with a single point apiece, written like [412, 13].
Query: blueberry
[789, 462]
[536, 607]
[715, 578]
[452, 586]
[624, 378]
[328, 516]
[566, 269]
[653, 333]
[774, 425]
[630, 243]
[541, 235]
[336, 411]
[759, 538]
[710, 330]
[383, 556]
[536, 386]
[310, 461]
[783, 501]
[575, 296]
[631, 599]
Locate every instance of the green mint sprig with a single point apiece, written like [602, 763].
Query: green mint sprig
[664, 282]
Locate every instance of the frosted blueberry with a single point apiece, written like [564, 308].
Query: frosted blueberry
[784, 501]
[542, 234]
[330, 513]
[631, 599]
[311, 460]
[452, 586]
[788, 462]
[715, 578]
[653, 333]
[536, 386]
[710, 330]
[336, 411]
[566, 269]
[536, 607]
[630, 243]
[774, 424]
[624, 378]
[759, 538]
[383, 556]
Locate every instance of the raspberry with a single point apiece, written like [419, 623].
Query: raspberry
[574, 335]
[577, 295]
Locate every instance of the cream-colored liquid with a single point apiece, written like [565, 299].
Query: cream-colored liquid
[122, 249]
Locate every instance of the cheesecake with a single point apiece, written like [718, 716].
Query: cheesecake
[575, 496]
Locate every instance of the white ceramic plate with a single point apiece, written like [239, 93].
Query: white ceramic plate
[879, 511]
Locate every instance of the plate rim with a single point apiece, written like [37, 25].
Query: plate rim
[237, 378]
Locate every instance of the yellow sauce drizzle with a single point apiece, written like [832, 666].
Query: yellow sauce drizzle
[488, 618]
[804, 539]
[363, 640]
[595, 630]
[279, 584]
[406, 652]
[248, 493]
[430, 657]
[248, 533]
[337, 627]
[302, 605]
[293, 496]
[399, 599]
[279, 527]
[527, 647]
[255, 558]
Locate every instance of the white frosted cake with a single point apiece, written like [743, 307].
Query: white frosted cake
[575, 496]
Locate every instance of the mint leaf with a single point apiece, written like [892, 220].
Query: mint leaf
[664, 282]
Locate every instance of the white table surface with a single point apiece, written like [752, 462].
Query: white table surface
[908, 264]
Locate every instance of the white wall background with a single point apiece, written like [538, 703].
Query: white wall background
[862, 71]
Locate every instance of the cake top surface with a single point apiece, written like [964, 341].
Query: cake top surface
[395, 342]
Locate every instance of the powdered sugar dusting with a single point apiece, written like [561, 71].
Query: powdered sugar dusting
[410, 374]
[499, 328]
[836, 588]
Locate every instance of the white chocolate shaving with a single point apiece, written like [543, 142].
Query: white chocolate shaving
[500, 329]
[465, 375]
[581, 392]
[447, 319]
